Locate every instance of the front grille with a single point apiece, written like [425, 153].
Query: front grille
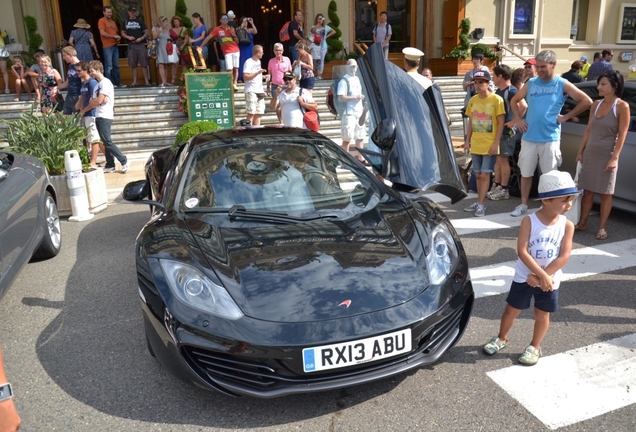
[211, 365]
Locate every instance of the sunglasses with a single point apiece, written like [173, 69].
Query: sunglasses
[529, 67]
[287, 79]
[224, 19]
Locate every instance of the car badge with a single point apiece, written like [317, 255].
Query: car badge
[346, 303]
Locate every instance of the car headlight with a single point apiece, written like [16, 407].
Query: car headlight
[442, 254]
[194, 288]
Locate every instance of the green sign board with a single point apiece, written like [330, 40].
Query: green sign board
[211, 97]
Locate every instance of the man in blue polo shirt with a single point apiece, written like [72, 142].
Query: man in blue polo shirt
[542, 127]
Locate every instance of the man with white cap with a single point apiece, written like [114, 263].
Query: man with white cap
[411, 65]
[230, 21]
[350, 92]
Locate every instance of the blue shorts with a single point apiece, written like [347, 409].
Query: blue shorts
[483, 163]
[521, 293]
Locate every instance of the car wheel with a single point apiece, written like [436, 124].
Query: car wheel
[52, 241]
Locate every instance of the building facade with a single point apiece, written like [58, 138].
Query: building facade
[572, 28]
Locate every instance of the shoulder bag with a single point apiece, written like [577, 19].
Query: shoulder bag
[243, 36]
[311, 118]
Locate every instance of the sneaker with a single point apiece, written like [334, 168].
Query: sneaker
[125, 167]
[494, 346]
[481, 211]
[499, 194]
[472, 207]
[520, 210]
[493, 186]
[121, 86]
[530, 356]
[109, 170]
[492, 191]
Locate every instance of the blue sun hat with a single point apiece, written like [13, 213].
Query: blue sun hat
[556, 184]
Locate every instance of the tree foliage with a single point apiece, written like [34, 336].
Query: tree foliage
[181, 10]
[191, 129]
[462, 50]
[335, 45]
[34, 40]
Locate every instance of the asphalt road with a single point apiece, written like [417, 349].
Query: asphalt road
[72, 334]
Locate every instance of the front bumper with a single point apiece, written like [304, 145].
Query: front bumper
[235, 368]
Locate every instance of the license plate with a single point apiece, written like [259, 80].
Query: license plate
[355, 352]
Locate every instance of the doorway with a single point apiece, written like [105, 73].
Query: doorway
[89, 10]
[269, 16]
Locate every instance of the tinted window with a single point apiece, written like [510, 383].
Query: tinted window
[629, 96]
[277, 176]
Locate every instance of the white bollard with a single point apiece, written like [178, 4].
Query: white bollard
[77, 187]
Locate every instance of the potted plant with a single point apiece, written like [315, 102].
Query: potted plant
[335, 55]
[458, 61]
[48, 137]
[191, 129]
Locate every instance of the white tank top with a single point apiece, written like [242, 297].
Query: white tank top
[544, 246]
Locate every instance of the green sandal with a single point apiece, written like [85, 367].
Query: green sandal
[495, 345]
[530, 356]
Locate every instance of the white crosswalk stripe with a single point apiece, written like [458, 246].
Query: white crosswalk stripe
[578, 384]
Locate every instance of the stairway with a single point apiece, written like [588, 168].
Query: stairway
[148, 118]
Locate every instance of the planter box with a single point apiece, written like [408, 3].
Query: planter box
[95, 189]
[453, 67]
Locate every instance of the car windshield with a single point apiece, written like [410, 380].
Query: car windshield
[277, 174]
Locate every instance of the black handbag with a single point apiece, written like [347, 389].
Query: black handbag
[243, 36]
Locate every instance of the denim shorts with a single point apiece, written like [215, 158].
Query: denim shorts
[483, 163]
[521, 293]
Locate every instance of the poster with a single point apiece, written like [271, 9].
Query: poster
[211, 97]
[627, 23]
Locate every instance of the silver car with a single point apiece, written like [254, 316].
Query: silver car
[572, 135]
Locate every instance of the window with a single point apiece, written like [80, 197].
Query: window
[523, 12]
[580, 10]
[399, 17]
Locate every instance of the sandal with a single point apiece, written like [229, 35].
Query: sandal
[495, 345]
[16, 100]
[530, 356]
[601, 234]
[580, 228]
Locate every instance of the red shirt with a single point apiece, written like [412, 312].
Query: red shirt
[225, 36]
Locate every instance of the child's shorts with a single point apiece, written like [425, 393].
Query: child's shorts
[483, 163]
[521, 293]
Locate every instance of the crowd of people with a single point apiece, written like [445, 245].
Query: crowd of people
[526, 112]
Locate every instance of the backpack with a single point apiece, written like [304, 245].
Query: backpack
[283, 34]
[335, 106]
[243, 36]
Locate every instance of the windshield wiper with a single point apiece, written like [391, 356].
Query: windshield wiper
[239, 211]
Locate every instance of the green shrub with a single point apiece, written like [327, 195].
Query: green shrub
[335, 45]
[181, 10]
[47, 137]
[191, 129]
[462, 51]
[34, 40]
[484, 49]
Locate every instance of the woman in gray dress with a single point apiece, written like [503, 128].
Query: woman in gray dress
[161, 32]
[601, 146]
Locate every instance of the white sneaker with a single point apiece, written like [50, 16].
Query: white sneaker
[481, 211]
[493, 191]
[125, 167]
[520, 210]
[472, 207]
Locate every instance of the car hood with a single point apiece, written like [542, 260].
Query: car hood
[423, 147]
[316, 271]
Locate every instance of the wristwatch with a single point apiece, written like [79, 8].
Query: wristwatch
[6, 392]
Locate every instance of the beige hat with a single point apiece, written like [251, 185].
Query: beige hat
[82, 24]
[411, 53]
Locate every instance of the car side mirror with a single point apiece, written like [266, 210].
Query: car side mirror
[385, 134]
[135, 191]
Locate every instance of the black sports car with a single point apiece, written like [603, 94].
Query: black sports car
[29, 223]
[275, 263]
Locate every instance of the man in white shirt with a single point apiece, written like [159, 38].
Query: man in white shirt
[291, 100]
[103, 101]
[350, 91]
[254, 91]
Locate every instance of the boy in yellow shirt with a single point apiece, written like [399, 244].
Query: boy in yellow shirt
[486, 117]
